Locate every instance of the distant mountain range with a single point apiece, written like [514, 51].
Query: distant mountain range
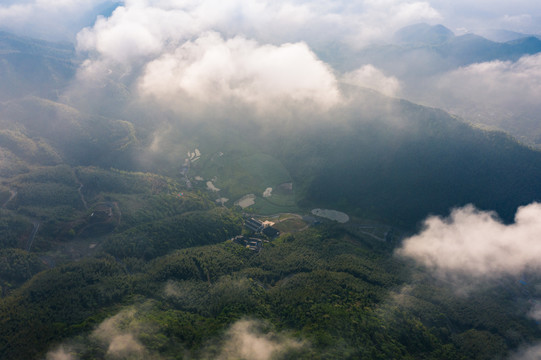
[423, 34]
[502, 35]
[436, 34]
[424, 50]
[430, 63]
[36, 67]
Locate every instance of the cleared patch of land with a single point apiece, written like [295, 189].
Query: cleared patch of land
[249, 172]
[331, 215]
[222, 200]
[246, 201]
[211, 186]
[292, 224]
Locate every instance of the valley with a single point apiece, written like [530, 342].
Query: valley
[106, 243]
[185, 199]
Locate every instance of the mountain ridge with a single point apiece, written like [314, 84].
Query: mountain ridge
[118, 232]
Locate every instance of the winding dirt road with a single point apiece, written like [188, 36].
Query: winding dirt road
[12, 196]
[79, 190]
[33, 235]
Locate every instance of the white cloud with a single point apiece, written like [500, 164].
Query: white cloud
[158, 23]
[476, 244]
[212, 70]
[135, 32]
[497, 83]
[119, 334]
[373, 78]
[246, 340]
[124, 346]
[253, 54]
[144, 38]
[535, 312]
[61, 354]
[528, 353]
[504, 94]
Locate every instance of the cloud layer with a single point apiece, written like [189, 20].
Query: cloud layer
[259, 54]
[476, 244]
[370, 77]
[275, 22]
[246, 340]
[191, 54]
[211, 70]
[503, 86]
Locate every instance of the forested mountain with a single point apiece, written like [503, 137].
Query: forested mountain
[118, 226]
[410, 162]
[422, 50]
[34, 67]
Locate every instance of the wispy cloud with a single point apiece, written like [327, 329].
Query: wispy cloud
[234, 51]
[496, 84]
[504, 94]
[476, 244]
[119, 335]
[238, 50]
[246, 339]
[371, 77]
[275, 22]
[211, 70]
[532, 352]
[62, 353]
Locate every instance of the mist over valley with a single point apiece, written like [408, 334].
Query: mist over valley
[269, 180]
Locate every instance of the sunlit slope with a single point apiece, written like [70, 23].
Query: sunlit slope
[62, 133]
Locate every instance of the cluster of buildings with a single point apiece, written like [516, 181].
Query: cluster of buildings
[253, 244]
[257, 227]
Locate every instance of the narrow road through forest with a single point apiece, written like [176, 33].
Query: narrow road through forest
[79, 190]
[12, 196]
[33, 235]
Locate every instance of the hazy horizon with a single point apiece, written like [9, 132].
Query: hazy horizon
[62, 20]
[255, 53]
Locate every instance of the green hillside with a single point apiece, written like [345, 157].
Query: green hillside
[34, 67]
[117, 233]
[408, 163]
[336, 295]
